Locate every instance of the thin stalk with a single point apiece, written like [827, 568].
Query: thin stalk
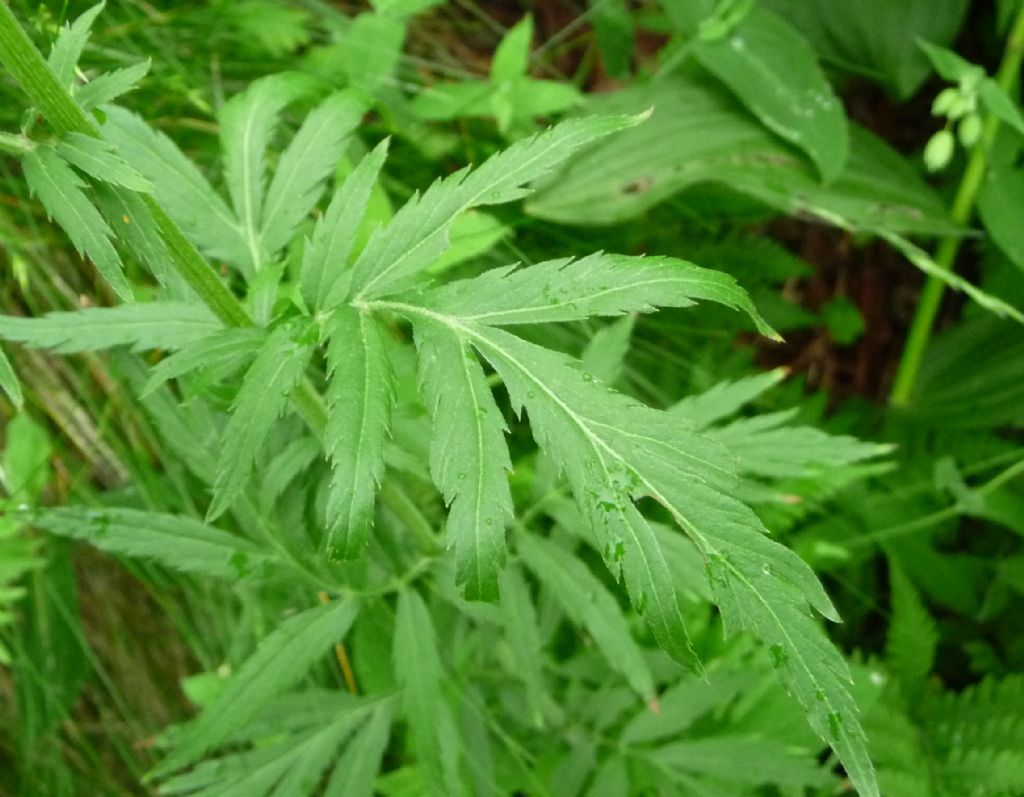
[28, 67]
[960, 213]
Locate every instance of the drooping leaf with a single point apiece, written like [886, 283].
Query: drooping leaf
[305, 164]
[68, 46]
[325, 257]
[419, 231]
[596, 285]
[154, 325]
[60, 190]
[278, 367]
[774, 72]
[279, 662]
[360, 396]
[584, 599]
[421, 677]
[97, 158]
[179, 187]
[175, 541]
[469, 459]
[111, 85]
[247, 122]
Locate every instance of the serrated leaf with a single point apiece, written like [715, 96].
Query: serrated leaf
[154, 325]
[263, 396]
[179, 186]
[325, 257]
[305, 165]
[585, 600]
[219, 354]
[912, 639]
[354, 773]
[111, 85]
[469, 459]
[418, 233]
[175, 541]
[597, 285]
[60, 190]
[9, 381]
[247, 122]
[279, 662]
[97, 158]
[421, 677]
[522, 632]
[68, 46]
[726, 398]
[360, 395]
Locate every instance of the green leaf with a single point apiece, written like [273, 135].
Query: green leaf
[1001, 204]
[774, 72]
[912, 639]
[247, 122]
[278, 367]
[305, 165]
[70, 42]
[280, 661]
[421, 678]
[613, 29]
[219, 354]
[111, 85]
[597, 285]
[355, 771]
[726, 398]
[469, 459]
[1001, 105]
[585, 600]
[25, 460]
[522, 631]
[9, 380]
[326, 254]
[154, 325]
[605, 354]
[97, 158]
[175, 541]
[418, 233]
[360, 395]
[512, 55]
[451, 100]
[179, 187]
[60, 190]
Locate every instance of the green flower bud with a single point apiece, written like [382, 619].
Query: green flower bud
[969, 130]
[939, 150]
[944, 100]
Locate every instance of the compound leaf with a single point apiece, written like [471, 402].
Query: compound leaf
[60, 190]
[279, 662]
[305, 164]
[278, 367]
[360, 396]
[154, 325]
[469, 460]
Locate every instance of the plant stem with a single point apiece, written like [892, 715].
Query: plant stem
[28, 67]
[960, 213]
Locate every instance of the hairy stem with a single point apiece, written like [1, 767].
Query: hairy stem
[961, 211]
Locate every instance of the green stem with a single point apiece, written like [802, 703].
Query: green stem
[960, 213]
[15, 145]
[28, 67]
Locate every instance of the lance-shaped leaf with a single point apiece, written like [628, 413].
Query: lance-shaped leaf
[324, 260]
[585, 600]
[263, 396]
[60, 190]
[420, 674]
[9, 381]
[111, 85]
[469, 460]
[97, 158]
[355, 771]
[305, 164]
[247, 121]
[218, 355]
[360, 396]
[279, 662]
[154, 325]
[68, 46]
[175, 541]
[418, 233]
[597, 285]
[179, 187]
